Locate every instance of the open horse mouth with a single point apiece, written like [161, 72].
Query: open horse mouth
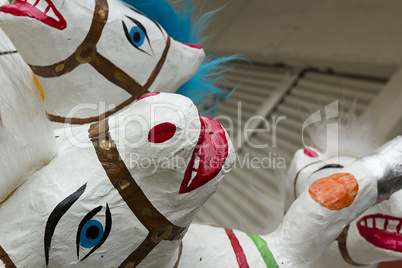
[208, 157]
[42, 10]
[382, 231]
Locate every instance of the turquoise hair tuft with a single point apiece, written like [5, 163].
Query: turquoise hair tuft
[185, 26]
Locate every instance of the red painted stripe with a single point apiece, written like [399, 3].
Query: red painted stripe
[238, 250]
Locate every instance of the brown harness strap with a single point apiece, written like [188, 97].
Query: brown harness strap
[343, 248]
[297, 176]
[80, 121]
[8, 263]
[118, 77]
[87, 53]
[179, 255]
[158, 226]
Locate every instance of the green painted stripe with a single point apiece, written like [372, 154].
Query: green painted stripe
[266, 254]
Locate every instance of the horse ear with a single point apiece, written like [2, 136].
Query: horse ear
[302, 159]
[26, 140]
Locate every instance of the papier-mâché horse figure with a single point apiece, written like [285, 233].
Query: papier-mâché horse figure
[375, 235]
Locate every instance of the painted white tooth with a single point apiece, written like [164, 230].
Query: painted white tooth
[379, 223]
[392, 225]
[51, 14]
[363, 223]
[32, 2]
[370, 223]
[193, 174]
[42, 5]
[197, 163]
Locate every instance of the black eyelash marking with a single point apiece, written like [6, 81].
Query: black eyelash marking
[329, 166]
[142, 14]
[57, 213]
[8, 52]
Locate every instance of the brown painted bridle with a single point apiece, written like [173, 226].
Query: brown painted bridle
[158, 226]
[87, 53]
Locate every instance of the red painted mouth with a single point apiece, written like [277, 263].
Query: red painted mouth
[208, 157]
[382, 231]
[196, 46]
[42, 10]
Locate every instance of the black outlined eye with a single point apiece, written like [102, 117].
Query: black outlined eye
[136, 35]
[92, 233]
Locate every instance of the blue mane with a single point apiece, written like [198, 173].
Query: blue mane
[181, 26]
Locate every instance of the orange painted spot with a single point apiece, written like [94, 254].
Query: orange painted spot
[335, 192]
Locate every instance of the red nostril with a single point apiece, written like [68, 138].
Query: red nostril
[310, 153]
[197, 46]
[148, 95]
[161, 133]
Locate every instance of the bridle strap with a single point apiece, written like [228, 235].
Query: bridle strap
[8, 263]
[297, 176]
[87, 53]
[119, 78]
[342, 239]
[81, 121]
[158, 226]
[179, 255]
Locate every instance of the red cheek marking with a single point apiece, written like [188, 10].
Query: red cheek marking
[310, 153]
[150, 94]
[335, 192]
[161, 133]
[197, 46]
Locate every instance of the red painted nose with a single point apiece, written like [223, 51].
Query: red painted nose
[197, 46]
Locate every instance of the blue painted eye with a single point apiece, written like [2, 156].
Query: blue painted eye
[91, 234]
[137, 36]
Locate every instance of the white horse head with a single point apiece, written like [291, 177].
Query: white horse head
[374, 236]
[126, 197]
[96, 51]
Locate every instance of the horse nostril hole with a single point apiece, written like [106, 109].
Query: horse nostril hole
[211, 133]
[161, 133]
